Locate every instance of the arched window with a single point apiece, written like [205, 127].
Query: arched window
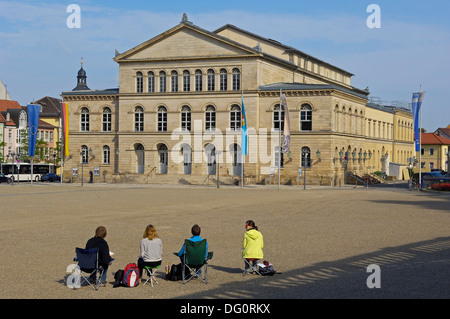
[106, 120]
[162, 119]
[151, 82]
[223, 79]
[211, 80]
[84, 154]
[306, 157]
[278, 117]
[138, 119]
[186, 81]
[235, 118]
[106, 155]
[210, 151]
[162, 82]
[185, 118]
[198, 81]
[84, 120]
[174, 78]
[22, 120]
[306, 117]
[139, 82]
[210, 118]
[236, 79]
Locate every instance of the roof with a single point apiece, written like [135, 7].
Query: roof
[114, 91]
[44, 125]
[301, 86]
[274, 42]
[446, 131]
[434, 139]
[7, 104]
[51, 107]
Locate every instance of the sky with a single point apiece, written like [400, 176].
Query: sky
[40, 55]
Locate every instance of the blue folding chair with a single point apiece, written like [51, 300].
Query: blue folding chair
[88, 262]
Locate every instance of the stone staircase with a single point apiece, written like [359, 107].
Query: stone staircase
[167, 179]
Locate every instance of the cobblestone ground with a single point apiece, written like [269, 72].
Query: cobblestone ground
[320, 240]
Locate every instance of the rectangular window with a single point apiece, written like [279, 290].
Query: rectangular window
[431, 151]
[151, 83]
[106, 127]
[162, 83]
[186, 121]
[106, 155]
[211, 83]
[198, 82]
[174, 82]
[210, 124]
[186, 82]
[162, 122]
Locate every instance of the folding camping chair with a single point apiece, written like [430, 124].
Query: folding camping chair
[195, 261]
[88, 262]
[151, 274]
[252, 266]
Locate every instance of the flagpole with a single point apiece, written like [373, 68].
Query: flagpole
[279, 142]
[242, 143]
[420, 141]
[32, 163]
[61, 146]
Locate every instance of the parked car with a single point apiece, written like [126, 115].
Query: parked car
[50, 177]
[4, 179]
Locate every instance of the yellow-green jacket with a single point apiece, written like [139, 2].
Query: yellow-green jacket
[253, 244]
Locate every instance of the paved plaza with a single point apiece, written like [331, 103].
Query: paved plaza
[320, 240]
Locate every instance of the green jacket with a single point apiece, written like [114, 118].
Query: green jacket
[253, 244]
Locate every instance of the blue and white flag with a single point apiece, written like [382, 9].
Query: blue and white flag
[244, 146]
[33, 123]
[417, 100]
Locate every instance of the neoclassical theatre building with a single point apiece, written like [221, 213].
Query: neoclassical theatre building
[176, 115]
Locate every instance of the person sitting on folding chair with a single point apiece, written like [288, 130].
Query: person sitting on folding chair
[151, 251]
[194, 258]
[252, 247]
[104, 257]
[195, 231]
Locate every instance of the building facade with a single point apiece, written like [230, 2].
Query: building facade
[434, 153]
[178, 113]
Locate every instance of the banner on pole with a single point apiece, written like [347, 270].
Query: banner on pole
[287, 124]
[33, 124]
[417, 100]
[244, 146]
[65, 124]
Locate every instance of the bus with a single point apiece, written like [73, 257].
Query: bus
[22, 171]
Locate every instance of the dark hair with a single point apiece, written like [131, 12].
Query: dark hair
[100, 232]
[196, 230]
[251, 223]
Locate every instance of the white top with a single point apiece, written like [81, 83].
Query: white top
[151, 250]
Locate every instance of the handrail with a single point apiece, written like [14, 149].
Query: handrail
[149, 174]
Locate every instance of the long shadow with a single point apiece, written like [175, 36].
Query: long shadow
[443, 204]
[419, 270]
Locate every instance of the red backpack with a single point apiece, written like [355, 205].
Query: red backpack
[131, 275]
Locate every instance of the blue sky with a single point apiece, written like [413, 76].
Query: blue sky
[40, 55]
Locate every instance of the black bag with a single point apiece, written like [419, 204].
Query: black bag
[118, 277]
[175, 273]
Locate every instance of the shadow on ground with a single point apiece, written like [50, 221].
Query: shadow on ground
[419, 270]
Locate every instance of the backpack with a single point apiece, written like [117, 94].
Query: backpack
[118, 277]
[131, 275]
[175, 272]
[267, 269]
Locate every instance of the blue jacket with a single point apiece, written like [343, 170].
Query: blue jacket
[194, 239]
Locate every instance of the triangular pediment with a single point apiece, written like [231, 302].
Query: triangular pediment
[185, 41]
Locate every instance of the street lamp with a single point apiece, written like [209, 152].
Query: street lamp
[318, 155]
